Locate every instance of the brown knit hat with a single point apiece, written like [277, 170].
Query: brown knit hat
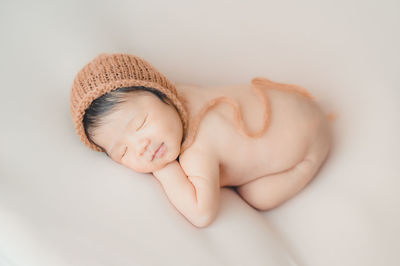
[107, 72]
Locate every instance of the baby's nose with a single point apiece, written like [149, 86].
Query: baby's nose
[142, 146]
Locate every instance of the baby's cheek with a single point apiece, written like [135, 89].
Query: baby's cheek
[140, 168]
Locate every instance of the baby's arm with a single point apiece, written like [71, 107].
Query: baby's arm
[195, 194]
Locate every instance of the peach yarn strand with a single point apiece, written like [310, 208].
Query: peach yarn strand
[257, 85]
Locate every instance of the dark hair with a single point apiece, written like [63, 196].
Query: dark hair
[103, 105]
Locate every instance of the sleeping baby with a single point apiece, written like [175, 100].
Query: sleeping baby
[266, 140]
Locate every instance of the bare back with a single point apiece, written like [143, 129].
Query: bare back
[295, 121]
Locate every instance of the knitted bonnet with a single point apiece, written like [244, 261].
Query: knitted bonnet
[107, 72]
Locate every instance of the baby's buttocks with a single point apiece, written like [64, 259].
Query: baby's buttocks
[294, 120]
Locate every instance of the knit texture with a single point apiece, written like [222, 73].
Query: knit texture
[107, 72]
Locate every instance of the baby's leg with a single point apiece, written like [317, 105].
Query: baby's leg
[268, 192]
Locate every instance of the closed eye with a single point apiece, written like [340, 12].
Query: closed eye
[126, 149]
[142, 123]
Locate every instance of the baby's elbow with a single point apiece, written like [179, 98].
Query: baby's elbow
[202, 222]
[203, 219]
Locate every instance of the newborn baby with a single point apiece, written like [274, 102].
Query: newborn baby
[266, 140]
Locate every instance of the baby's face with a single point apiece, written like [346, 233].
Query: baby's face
[131, 134]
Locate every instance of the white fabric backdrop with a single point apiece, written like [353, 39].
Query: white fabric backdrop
[62, 204]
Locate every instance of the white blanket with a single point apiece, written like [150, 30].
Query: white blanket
[63, 204]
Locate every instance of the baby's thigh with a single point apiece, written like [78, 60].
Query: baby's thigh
[272, 190]
[322, 142]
